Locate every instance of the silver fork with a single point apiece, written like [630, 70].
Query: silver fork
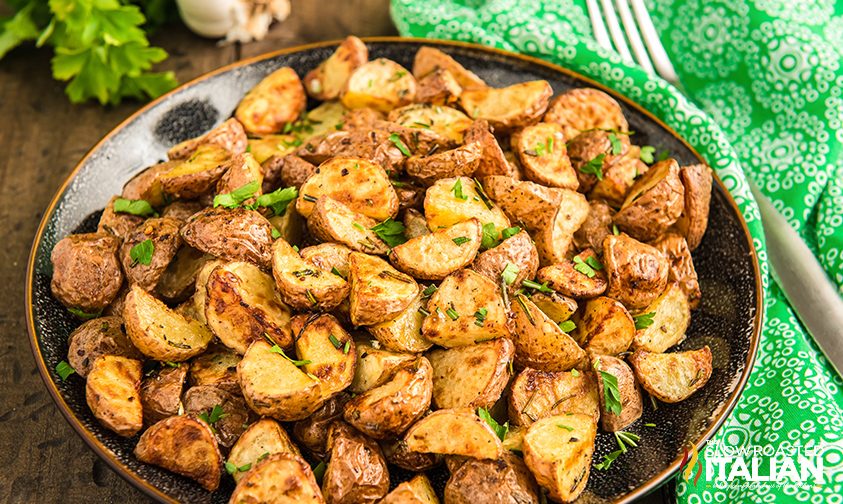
[797, 271]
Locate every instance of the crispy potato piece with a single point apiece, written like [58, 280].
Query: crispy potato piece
[565, 278]
[375, 366]
[414, 223]
[217, 367]
[672, 377]
[459, 162]
[312, 432]
[357, 183]
[457, 305]
[436, 255]
[303, 286]
[86, 272]
[554, 239]
[184, 445]
[265, 148]
[113, 394]
[379, 292]
[597, 226]
[606, 328]
[518, 250]
[445, 121]
[181, 210]
[472, 376]
[671, 316]
[636, 271]
[631, 404]
[276, 100]
[514, 438]
[327, 257]
[280, 478]
[454, 432]
[560, 458]
[396, 453]
[242, 306]
[288, 171]
[498, 481]
[118, 224]
[697, 180]
[539, 342]
[403, 333]
[196, 175]
[274, 386]
[444, 208]
[492, 161]
[357, 471]
[582, 109]
[387, 411]
[544, 157]
[159, 332]
[415, 491]
[429, 59]
[682, 271]
[556, 306]
[160, 393]
[331, 352]
[200, 293]
[334, 221]
[381, 84]
[438, 88]
[236, 234]
[242, 169]
[146, 185]
[97, 337]
[410, 197]
[524, 202]
[163, 232]
[203, 399]
[327, 81]
[654, 202]
[290, 225]
[619, 175]
[178, 281]
[508, 108]
[598, 148]
[538, 394]
[229, 135]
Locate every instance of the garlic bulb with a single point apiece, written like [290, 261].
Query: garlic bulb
[236, 20]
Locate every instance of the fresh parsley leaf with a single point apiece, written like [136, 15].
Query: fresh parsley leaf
[457, 189]
[490, 236]
[18, 29]
[644, 320]
[64, 370]
[617, 148]
[649, 425]
[278, 200]
[510, 271]
[499, 429]
[567, 326]
[611, 393]
[142, 252]
[587, 267]
[615, 230]
[213, 416]
[608, 459]
[593, 262]
[459, 240]
[594, 167]
[133, 207]
[647, 154]
[83, 314]
[298, 363]
[391, 232]
[541, 287]
[397, 76]
[510, 232]
[396, 140]
[663, 155]
[236, 197]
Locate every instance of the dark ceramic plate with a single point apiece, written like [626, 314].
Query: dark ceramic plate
[728, 319]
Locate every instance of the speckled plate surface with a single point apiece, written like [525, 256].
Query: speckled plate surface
[728, 320]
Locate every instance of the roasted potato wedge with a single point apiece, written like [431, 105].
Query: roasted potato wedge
[357, 183]
[200, 292]
[274, 386]
[492, 161]
[453, 200]
[560, 457]
[472, 376]
[184, 445]
[593, 152]
[539, 342]
[454, 432]
[178, 281]
[276, 100]
[112, 391]
[217, 367]
[460, 162]
[544, 157]
[554, 240]
[86, 271]
[236, 234]
[631, 406]
[697, 180]
[539, 394]
[606, 327]
[438, 88]
[229, 135]
[415, 491]
[636, 271]
[160, 393]
[396, 453]
[379, 292]
[619, 175]
[331, 352]
[203, 400]
[524, 202]
[508, 108]
[404, 332]
[669, 316]
[381, 84]
[242, 170]
[146, 185]
[301, 285]
[445, 121]
[286, 171]
[429, 59]
[597, 226]
[582, 109]
[518, 250]
[280, 478]
[357, 471]
[577, 278]
[682, 270]
[117, 223]
[556, 306]
[375, 366]
[197, 175]
[466, 309]
[654, 202]
[162, 236]
[312, 432]
[328, 257]
[498, 481]
[327, 81]
[335, 222]
[436, 255]
[159, 332]
[672, 377]
[97, 337]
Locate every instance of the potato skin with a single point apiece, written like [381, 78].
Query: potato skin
[631, 404]
[672, 377]
[197, 175]
[164, 233]
[404, 332]
[86, 272]
[606, 327]
[242, 169]
[697, 181]
[375, 366]
[112, 392]
[203, 399]
[501, 481]
[379, 292]
[438, 88]
[261, 439]
[582, 109]
[636, 271]
[97, 337]
[560, 459]
[554, 239]
[539, 342]
[454, 432]
[286, 171]
[160, 393]
[508, 108]
[460, 162]
[492, 160]
[538, 394]
[331, 363]
[237, 234]
[118, 224]
[332, 221]
[357, 471]
[671, 316]
[654, 202]
[525, 202]
[472, 376]
[280, 477]
[276, 100]
[312, 432]
[229, 135]
[327, 81]
[397, 453]
[619, 175]
[519, 250]
[381, 84]
[682, 271]
[587, 146]
[311, 288]
[181, 210]
[597, 226]
[429, 59]
[178, 281]
[146, 185]
[217, 367]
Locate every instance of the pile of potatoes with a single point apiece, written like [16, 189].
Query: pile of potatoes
[452, 258]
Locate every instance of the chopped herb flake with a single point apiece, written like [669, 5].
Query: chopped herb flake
[510, 232]
[133, 207]
[594, 167]
[142, 252]
[64, 370]
[510, 271]
[499, 429]
[277, 349]
[567, 326]
[617, 148]
[490, 236]
[459, 240]
[278, 200]
[541, 287]
[213, 416]
[644, 320]
[236, 197]
[647, 154]
[391, 232]
[399, 144]
[457, 189]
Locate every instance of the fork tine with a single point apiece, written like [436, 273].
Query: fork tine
[598, 26]
[654, 45]
[615, 30]
[631, 29]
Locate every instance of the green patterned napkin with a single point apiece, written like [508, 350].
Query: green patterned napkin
[769, 73]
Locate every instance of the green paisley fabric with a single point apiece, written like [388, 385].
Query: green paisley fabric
[763, 96]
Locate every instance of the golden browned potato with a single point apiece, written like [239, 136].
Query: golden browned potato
[666, 321]
[403, 333]
[583, 277]
[415, 491]
[330, 351]
[507, 480]
[280, 478]
[328, 257]
[593, 152]
[197, 175]
[242, 170]
[184, 445]
[274, 386]
[200, 292]
[96, 337]
[697, 180]
[518, 250]
[160, 393]
[414, 223]
[539, 342]
[445, 121]
[606, 327]
[286, 171]
[582, 109]
[597, 226]
[379, 292]
[229, 135]
[615, 370]
[146, 185]
[312, 432]
[332, 221]
[636, 271]
[387, 411]
[178, 281]
[472, 376]
[619, 175]
[436, 255]
[113, 394]
[357, 471]
[117, 223]
[454, 200]
[375, 366]
[554, 239]
[544, 157]
[654, 202]
[86, 272]
[429, 59]
[556, 306]
[396, 453]
[466, 309]
[303, 286]
[508, 108]
[672, 377]
[217, 367]
[268, 149]
[276, 100]
[290, 225]
[159, 332]
[492, 161]
[158, 235]
[539, 394]
[236, 234]
[234, 416]
[438, 88]
[454, 432]
[682, 271]
[558, 451]
[375, 144]
[381, 84]
[524, 202]
[242, 306]
[326, 81]
[459, 162]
